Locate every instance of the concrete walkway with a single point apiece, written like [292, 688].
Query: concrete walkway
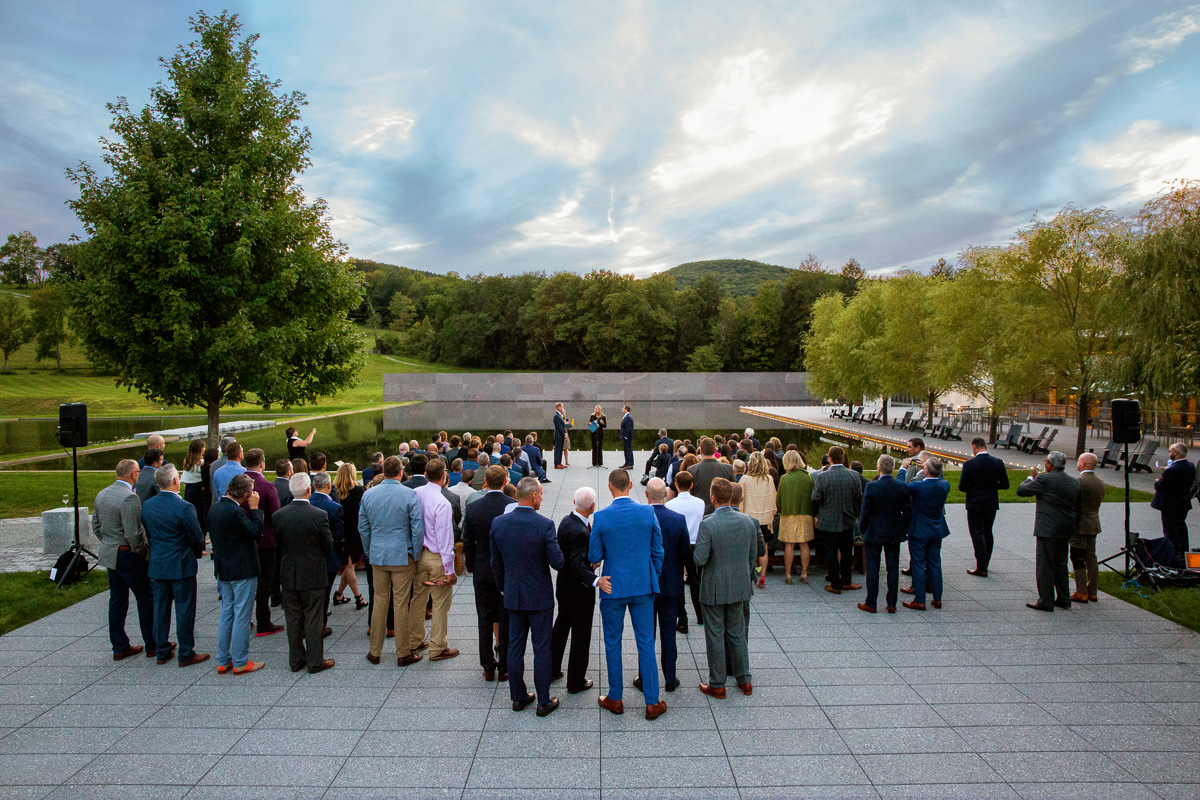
[983, 699]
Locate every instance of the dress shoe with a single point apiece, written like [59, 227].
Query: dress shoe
[1063, 604]
[866, 608]
[448, 653]
[1077, 597]
[412, 658]
[681, 629]
[298, 669]
[546, 710]
[127, 652]
[747, 688]
[914, 605]
[391, 633]
[560, 466]
[197, 658]
[937, 603]
[978, 573]
[545, 480]
[907, 590]
[891, 609]
[557, 676]
[852, 587]
[424, 645]
[327, 632]
[787, 579]
[1039, 607]
[267, 630]
[713, 691]
[489, 675]
[637, 683]
[521, 705]
[832, 590]
[502, 677]
[324, 665]
[615, 706]
[170, 651]
[906, 571]
[428, 615]
[372, 659]
[251, 666]
[657, 710]
[1093, 598]
[586, 685]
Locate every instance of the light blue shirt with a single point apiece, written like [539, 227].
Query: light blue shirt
[224, 475]
[391, 523]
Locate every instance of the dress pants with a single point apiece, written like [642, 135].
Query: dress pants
[628, 445]
[1051, 569]
[130, 576]
[666, 616]
[839, 556]
[1174, 526]
[725, 641]
[489, 610]
[395, 582]
[1083, 559]
[575, 620]
[429, 568]
[183, 593]
[891, 555]
[537, 626]
[558, 451]
[304, 615]
[597, 450]
[391, 615]
[233, 625]
[276, 591]
[979, 523]
[925, 560]
[693, 582]
[266, 578]
[641, 615]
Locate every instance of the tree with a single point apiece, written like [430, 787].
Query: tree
[208, 277]
[704, 359]
[902, 354]
[763, 328]
[942, 269]
[852, 274]
[835, 348]
[14, 325]
[812, 264]
[49, 308]
[22, 259]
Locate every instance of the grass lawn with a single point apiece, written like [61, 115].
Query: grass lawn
[28, 596]
[1177, 605]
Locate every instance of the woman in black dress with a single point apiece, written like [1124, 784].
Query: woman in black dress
[598, 435]
[350, 492]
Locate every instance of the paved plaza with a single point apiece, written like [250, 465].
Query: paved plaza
[983, 699]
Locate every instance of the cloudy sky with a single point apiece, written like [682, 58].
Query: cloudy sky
[507, 137]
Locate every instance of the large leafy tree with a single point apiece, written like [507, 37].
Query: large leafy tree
[22, 259]
[208, 277]
[836, 348]
[50, 309]
[14, 325]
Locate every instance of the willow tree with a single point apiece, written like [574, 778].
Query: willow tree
[836, 348]
[208, 278]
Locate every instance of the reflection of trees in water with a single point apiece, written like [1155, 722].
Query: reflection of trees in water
[341, 426]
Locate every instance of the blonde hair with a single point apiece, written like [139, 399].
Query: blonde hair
[792, 461]
[346, 478]
[756, 466]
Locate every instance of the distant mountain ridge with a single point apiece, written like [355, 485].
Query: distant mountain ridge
[737, 276]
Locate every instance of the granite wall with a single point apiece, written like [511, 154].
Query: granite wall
[592, 387]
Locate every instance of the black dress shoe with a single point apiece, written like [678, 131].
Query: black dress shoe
[672, 686]
[1039, 607]
[1061, 604]
[637, 683]
[543, 711]
[558, 676]
[681, 629]
[519, 705]
[906, 571]
[586, 685]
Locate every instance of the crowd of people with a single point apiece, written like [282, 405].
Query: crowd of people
[417, 520]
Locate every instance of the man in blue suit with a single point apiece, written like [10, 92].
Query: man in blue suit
[884, 523]
[1172, 497]
[176, 541]
[524, 549]
[627, 437]
[926, 530]
[982, 478]
[677, 556]
[321, 499]
[561, 425]
[627, 538]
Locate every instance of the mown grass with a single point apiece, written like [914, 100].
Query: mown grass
[29, 596]
[1177, 605]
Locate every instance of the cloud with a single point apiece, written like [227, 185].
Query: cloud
[1144, 158]
[1149, 44]
[562, 228]
[575, 148]
[375, 128]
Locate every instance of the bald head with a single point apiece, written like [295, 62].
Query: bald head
[1087, 461]
[155, 442]
[656, 491]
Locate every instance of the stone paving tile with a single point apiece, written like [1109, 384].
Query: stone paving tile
[771, 743]
[939, 768]
[856, 792]
[84, 792]
[917, 715]
[1053, 767]
[258, 793]
[1022, 738]
[875, 741]
[961, 791]
[274, 770]
[534, 773]
[137, 770]
[665, 743]
[1089, 791]
[696, 771]
[797, 770]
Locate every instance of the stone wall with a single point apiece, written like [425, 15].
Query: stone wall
[592, 387]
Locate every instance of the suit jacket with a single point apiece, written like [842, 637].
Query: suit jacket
[337, 531]
[477, 533]
[235, 534]
[1172, 490]
[416, 481]
[627, 538]
[1091, 495]
[304, 543]
[982, 478]
[176, 540]
[283, 491]
[560, 426]
[703, 474]
[885, 511]
[146, 487]
[837, 498]
[927, 498]
[727, 551]
[677, 550]
[627, 428]
[536, 458]
[524, 550]
[117, 522]
[1058, 504]
[575, 579]
[268, 503]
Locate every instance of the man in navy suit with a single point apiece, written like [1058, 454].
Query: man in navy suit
[321, 499]
[981, 481]
[627, 538]
[677, 556]
[576, 593]
[176, 541]
[884, 523]
[926, 530]
[561, 425]
[524, 549]
[477, 553]
[627, 437]
[1172, 497]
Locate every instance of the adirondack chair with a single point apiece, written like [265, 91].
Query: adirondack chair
[858, 415]
[869, 419]
[917, 424]
[1144, 458]
[902, 423]
[955, 430]
[1111, 454]
[1027, 441]
[937, 429]
[837, 413]
[1043, 446]
[1012, 437]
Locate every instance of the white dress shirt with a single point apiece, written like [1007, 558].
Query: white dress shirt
[692, 509]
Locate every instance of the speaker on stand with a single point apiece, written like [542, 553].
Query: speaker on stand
[73, 433]
[1126, 429]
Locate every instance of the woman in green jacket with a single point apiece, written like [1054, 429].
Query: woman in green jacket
[794, 503]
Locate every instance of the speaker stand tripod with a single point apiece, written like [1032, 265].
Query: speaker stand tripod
[1130, 538]
[77, 548]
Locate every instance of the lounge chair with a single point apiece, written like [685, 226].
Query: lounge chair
[902, 423]
[955, 430]
[1012, 437]
[1111, 454]
[1043, 445]
[1143, 459]
[1028, 441]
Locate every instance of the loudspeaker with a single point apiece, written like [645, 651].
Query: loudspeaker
[72, 425]
[1126, 421]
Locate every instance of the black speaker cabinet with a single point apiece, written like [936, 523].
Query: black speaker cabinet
[72, 425]
[1126, 421]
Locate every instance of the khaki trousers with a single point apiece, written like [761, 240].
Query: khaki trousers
[429, 568]
[392, 585]
[1083, 559]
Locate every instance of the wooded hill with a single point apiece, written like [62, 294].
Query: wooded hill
[737, 277]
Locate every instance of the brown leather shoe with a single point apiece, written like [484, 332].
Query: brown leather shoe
[914, 605]
[324, 665]
[713, 691]
[832, 590]
[372, 659]
[449, 652]
[127, 652]
[197, 658]
[412, 658]
[851, 587]
[937, 603]
[891, 609]
[657, 710]
[424, 645]
[1093, 598]
[615, 706]
[1078, 597]
[747, 688]
[170, 651]
[428, 615]
[559, 466]
[978, 573]
[327, 632]
[866, 608]
[489, 675]
[907, 590]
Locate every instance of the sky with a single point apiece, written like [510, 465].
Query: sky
[633, 136]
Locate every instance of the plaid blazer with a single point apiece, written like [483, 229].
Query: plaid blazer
[837, 498]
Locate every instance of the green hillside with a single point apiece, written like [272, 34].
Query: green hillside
[737, 276]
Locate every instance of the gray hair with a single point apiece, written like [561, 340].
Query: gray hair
[165, 476]
[226, 439]
[240, 485]
[656, 490]
[527, 488]
[299, 484]
[320, 481]
[750, 432]
[885, 464]
[125, 467]
[1057, 459]
[585, 498]
[933, 468]
[1179, 447]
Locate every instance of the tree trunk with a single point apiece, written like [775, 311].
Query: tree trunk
[932, 398]
[993, 427]
[885, 419]
[214, 415]
[58, 358]
[1081, 418]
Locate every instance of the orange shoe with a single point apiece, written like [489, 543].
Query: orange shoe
[224, 668]
[250, 667]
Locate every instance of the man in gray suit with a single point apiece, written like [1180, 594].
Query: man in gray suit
[1083, 543]
[837, 502]
[117, 523]
[1056, 521]
[146, 487]
[727, 549]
